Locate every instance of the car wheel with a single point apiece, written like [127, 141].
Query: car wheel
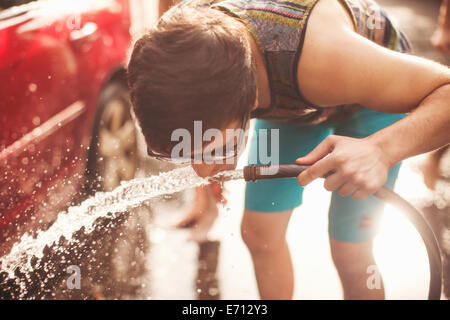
[112, 159]
[113, 150]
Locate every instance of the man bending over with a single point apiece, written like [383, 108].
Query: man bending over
[332, 76]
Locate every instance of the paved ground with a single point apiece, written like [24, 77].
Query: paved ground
[173, 261]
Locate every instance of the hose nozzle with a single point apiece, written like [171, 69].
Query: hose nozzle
[264, 172]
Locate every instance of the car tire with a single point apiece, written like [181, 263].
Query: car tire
[112, 155]
[113, 158]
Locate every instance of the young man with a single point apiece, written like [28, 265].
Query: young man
[308, 68]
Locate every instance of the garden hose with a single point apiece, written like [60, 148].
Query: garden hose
[263, 172]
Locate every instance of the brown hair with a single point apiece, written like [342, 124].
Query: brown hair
[196, 64]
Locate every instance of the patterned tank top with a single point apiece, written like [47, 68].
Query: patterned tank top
[279, 27]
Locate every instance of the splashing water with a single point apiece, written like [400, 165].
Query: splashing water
[128, 195]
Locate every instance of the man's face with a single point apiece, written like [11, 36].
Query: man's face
[209, 169]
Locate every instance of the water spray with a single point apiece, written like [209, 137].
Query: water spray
[264, 172]
[133, 193]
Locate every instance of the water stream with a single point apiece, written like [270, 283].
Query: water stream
[128, 195]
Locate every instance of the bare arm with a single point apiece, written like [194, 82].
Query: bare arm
[338, 66]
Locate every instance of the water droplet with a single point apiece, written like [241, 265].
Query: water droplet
[32, 87]
[36, 121]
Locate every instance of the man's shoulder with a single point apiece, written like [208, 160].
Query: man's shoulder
[328, 37]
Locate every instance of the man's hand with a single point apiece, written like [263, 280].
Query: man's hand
[352, 166]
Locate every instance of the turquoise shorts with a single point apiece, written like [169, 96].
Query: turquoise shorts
[345, 214]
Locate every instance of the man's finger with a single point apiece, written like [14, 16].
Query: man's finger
[334, 181]
[318, 170]
[347, 189]
[322, 149]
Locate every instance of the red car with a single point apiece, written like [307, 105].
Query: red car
[64, 110]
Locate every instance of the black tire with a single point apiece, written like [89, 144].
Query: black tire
[113, 98]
